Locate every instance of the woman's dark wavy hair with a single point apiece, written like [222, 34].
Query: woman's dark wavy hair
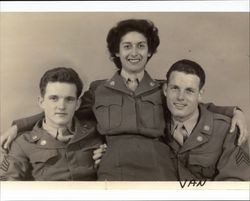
[145, 27]
[61, 74]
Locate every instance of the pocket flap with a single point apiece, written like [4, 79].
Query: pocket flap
[43, 155]
[153, 98]
[203, 160]
[108, 100]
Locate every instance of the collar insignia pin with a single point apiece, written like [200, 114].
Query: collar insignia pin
[43, 142]
[112, 83]
[199, 138]
[206, 128]
[152, 84]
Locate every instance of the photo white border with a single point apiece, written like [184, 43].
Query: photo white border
[105, 191]
[125, 6]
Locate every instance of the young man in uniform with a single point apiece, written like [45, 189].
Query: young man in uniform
[203, 147]
[59, 147]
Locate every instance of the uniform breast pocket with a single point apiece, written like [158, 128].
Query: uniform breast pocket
[151, 111]
[43, 159]
[108, 111]
[203, 164]
[44, 156]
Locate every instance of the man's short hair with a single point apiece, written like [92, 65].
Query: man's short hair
[188, 67]
[61, 74]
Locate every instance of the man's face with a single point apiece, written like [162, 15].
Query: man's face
[133, 52]
[59, 103]
[182, 94]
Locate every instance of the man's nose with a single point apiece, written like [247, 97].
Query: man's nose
[61, 104]
[181, 95]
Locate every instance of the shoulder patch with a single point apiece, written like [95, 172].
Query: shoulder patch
[242, 157]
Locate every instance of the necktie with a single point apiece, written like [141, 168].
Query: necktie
[132, 84]
[180, 134]
[63, 136]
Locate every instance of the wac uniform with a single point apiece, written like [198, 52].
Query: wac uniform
[133, 123]
[210, 152]
[36, 155]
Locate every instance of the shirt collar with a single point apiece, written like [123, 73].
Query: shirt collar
[53, 131]
[189, 124]
[133, 76]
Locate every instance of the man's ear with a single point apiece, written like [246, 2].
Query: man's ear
[40, 101]
[78, 104]
[164, 88]
[201, 92]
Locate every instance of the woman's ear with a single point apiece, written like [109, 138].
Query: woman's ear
[117, 54]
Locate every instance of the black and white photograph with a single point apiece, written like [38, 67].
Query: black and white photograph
[124, 100]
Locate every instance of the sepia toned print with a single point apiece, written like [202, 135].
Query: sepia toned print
[41, 41]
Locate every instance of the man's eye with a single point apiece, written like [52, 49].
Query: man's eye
[174, 88]
[70, 99]
[190, 91]
[53, 98]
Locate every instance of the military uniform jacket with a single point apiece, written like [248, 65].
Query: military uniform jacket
[210, 152]
[36, 155]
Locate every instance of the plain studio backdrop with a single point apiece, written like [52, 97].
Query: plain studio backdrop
[32, 43]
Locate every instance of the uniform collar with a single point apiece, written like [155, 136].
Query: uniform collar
[54, 131]
[42, 138]
[189, 124]
[146, 84]
[128, 76]
[201, 132]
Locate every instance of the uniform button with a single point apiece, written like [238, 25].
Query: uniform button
[43, 142]
[152, 84]
[199, 138]
[34, 137]
[206, 128]
[112, 83]
[85, 126]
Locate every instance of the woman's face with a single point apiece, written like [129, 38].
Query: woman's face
[133, 52]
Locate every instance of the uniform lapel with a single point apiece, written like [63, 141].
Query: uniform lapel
[117, 83]
[81, 132]
[146, 84]
[201, 132]
[44, 140]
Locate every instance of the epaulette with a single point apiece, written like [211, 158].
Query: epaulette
[96, 83]
[161, 82]
[222, 117]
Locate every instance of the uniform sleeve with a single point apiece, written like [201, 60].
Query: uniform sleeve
[233, 164]
[85, 112]
[225, 110]
[26, 124]
[15, 165]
